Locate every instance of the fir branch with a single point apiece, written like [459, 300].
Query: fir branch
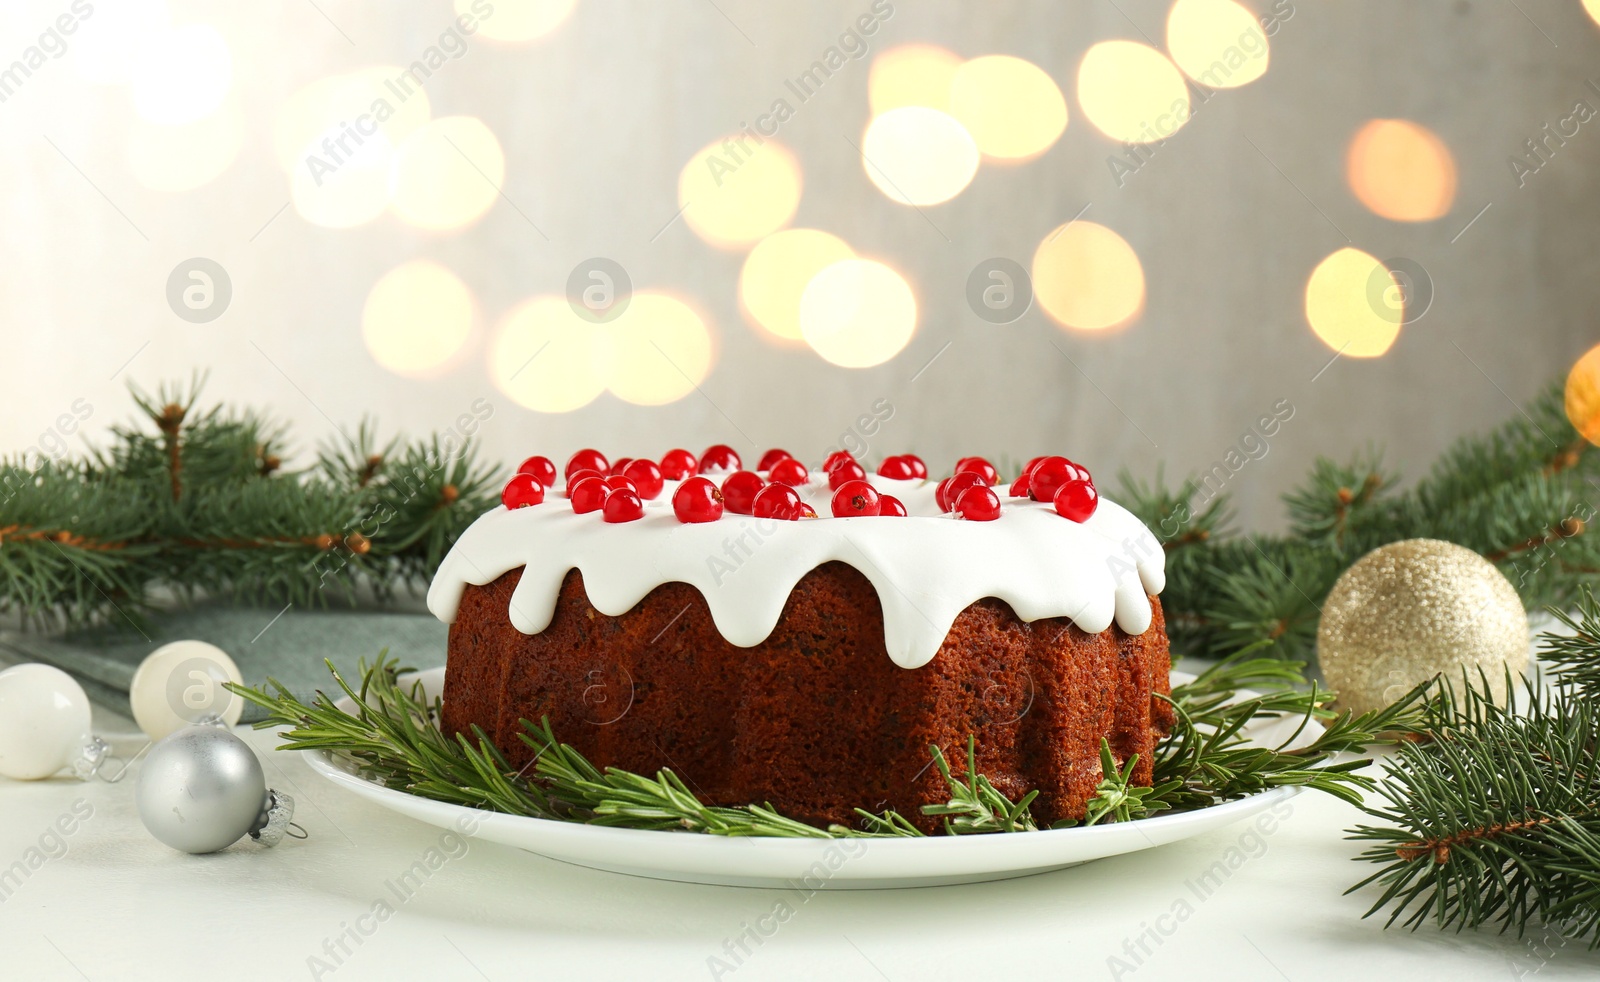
[261, 538]
[1568, 528]
[1269, 590]
[423, 501]
[1491, 815]
[1538, 441]
[1575, 660]
[71, 549]
[1340, 504]
[1493, 819]
[1522, 495]
[355, 461]
[198, 500]
[1176, 518]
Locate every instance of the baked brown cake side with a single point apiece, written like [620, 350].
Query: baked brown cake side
[817, 720]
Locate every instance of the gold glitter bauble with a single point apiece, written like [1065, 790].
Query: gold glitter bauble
[1411, 610]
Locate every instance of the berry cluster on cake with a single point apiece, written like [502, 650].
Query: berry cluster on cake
[690, 614]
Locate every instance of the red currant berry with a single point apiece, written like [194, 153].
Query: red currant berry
[739, 491]
[540, 468]
[806, 511]
[918, 468]
[622, 505]
[846, 470]
[789, 471]
[835, 459]
[580, 474]
[896, 468]
[1083, 472]
[617, 482]
[589, 495]
[592, 460]
[697, 500]
[1047, 477]
[1077, 500]
[978, 503]
[1031, 464]
[677, 464]
[521, 491]
[720, 457]
[890, 506]
[980, 467]
[777, 501]
[771, 458]
[620, 465]
[646, 476]
[949, 489]
[1019, 487]
[855, 499]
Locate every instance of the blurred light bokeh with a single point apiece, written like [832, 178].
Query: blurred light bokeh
[1401, 171]
[804, 211]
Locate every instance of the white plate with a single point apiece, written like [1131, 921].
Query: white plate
[812, 863]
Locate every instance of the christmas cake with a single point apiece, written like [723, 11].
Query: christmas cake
[693, 615]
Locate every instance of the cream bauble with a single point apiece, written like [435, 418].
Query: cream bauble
[44, 722]
[1411, 610]
[179, 684]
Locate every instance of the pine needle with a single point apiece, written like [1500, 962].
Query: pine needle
[201, 500]
[1491, 816]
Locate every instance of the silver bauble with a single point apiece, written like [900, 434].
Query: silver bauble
[202, 789]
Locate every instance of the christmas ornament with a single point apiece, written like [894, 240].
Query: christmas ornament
[181, 683]
[44, 725]
[1414, 609]
[202, 789]
[1581, 397]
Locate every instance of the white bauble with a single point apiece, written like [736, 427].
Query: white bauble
[181, 683]
[44, 721]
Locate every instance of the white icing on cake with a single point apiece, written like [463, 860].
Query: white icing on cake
[927, 567]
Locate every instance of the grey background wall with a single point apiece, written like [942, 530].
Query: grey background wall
[597, 119]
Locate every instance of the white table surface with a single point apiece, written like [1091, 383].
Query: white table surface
[118, 905]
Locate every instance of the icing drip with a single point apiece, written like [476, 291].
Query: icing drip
[926, 568]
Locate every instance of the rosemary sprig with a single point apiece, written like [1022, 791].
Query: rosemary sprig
[618, 798]
[975, 805]
[1282, 683]
[1206, 759]
[393, 737]
[1117, 798]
